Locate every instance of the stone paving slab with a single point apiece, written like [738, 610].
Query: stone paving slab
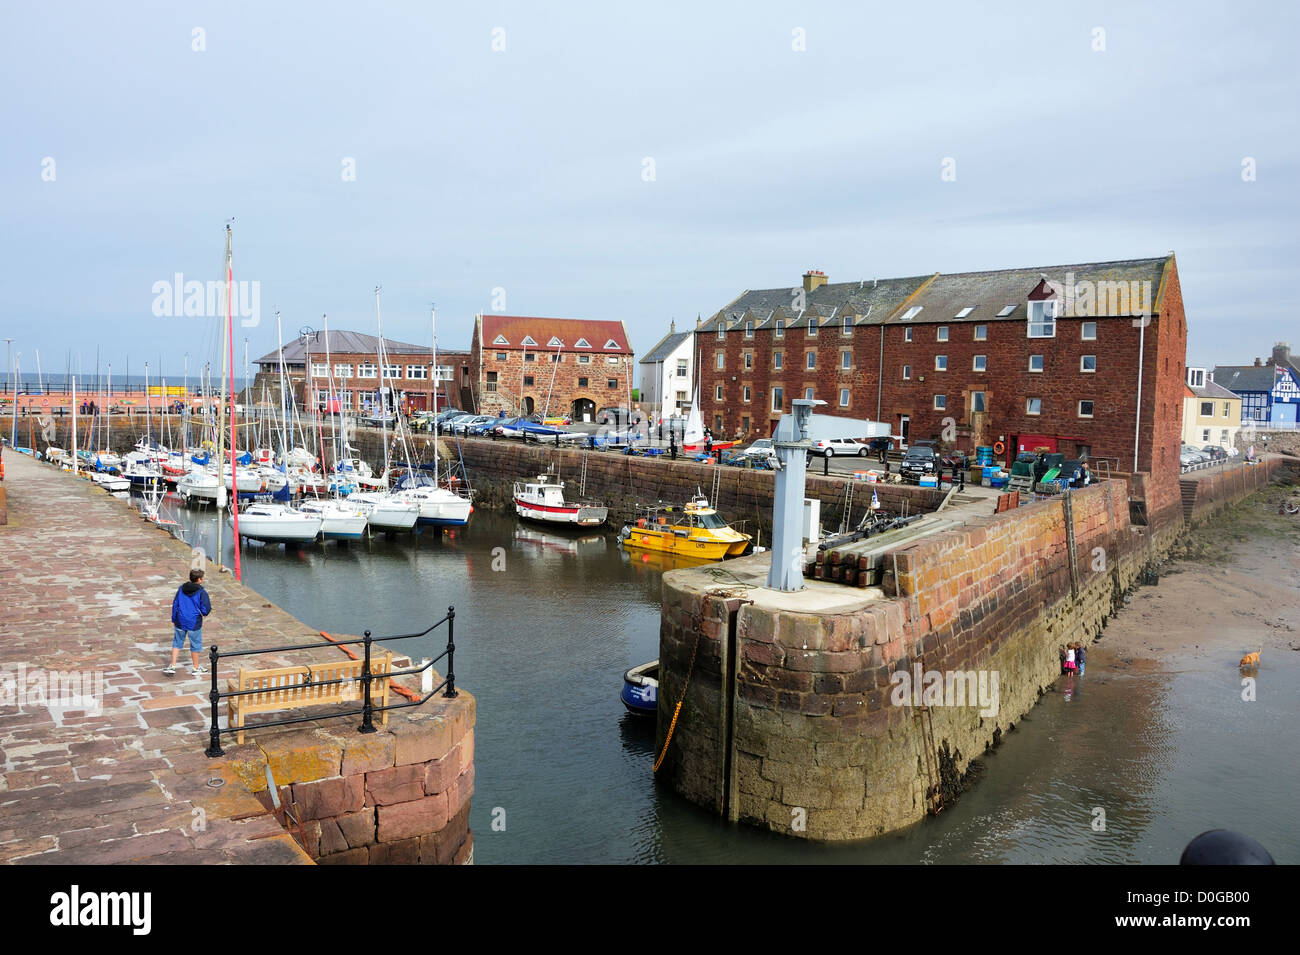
[86, 587]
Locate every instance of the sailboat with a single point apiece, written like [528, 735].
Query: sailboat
[693, 438]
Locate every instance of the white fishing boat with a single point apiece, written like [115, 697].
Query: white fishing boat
[543, 500]
[278, 524]
[439, 506]
[384, 512]
[110, 482]
[340, 520]
[199, 484]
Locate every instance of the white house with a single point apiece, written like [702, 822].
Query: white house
[667, 372]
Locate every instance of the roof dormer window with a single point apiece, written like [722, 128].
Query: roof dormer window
[1042, 318]
[582, 343]
[722, 329]
[554, 343]
[912, 312]
[611, 344]
[1196, 377]
[500, 340]
[528, 340]
[749, 329]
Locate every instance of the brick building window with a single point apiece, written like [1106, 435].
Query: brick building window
[611, 383]
[342, 371]
[776, 360]
[940, 362]
[981, 333]
[501, 356]
[1085, 409]
[907, 334]
[749, 329]
[1089, 332]
[319, 369]
[528, 381]
[529, 356]
[722, 331]
[1087, 363]
[717, 423]
[611, 360]
[811, 359]
[812, 328]
[847, 327]
[1033, 406]
[780, 328]
[844, 397]
[491, 381]
[555, 358]
[846, 360]
[584, 359]
[721, 361]
[1042, 319]
[980, 363]
[1035, 362]
[744, 423]
[717, 393]
[940, 402]
[977, 402]
[746, 393]
[392, 371]
[907, 372]
[749, 359]
[778, 398]
[367, 369]
[941, 333]
[417, 372]
[582, 382]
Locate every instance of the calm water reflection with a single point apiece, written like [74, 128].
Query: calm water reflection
[543, 643]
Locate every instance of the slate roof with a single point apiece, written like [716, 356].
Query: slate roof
[1212, 390]
[515, 328]
[341, 343]
[665, 348]
[1239, 378]
[987, 293]
[940, 296]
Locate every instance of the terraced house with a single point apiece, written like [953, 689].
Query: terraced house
[1083, 359]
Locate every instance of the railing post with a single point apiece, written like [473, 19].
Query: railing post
[214, 731]
[367, 714]
[451, 652]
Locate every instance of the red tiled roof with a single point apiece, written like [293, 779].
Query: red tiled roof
[515, 328]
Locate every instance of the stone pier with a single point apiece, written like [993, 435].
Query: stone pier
[115, 772]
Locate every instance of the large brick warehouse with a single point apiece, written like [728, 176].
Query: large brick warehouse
[1035, 358]
[567, 366]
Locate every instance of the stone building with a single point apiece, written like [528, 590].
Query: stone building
[1038, 358]
[522, 365]
[350, 366]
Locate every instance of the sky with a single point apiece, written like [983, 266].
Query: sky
[641, 163]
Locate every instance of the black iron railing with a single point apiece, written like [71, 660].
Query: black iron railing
[367, 710]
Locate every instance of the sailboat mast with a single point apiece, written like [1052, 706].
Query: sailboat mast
[148, 425]
[74, 425]
[284, 433]
[230, 339]
[383, 367]
[433, 322]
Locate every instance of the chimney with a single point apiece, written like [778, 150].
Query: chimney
[812, 279]
[1281, 354]
[672, 327]
[698, 322]
[1258, 363]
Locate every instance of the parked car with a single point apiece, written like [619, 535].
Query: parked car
[462, 425]
[608, 415]
[919, 461]
[446, 425]
[762, 448]
[1215, 452]
[1187, 459]
[841, 446]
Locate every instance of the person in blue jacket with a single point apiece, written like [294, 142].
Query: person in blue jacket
[189, 607]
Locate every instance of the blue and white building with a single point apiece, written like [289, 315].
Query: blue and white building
[1269, 391]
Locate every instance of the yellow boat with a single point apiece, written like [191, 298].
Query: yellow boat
[694, 531]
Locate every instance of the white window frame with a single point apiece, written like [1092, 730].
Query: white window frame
[1029, 407]
[721, 361]
[584, 359]
[810, 361]
[582, 343]
[778, 360]
[980, 363]
[907, 372]
[746, 394]
[965, 311]
[417, 372]
[846, 360]
[1006, 310]
[749, 329]
[779, 328]
[528, 342]
[1083, 368]
[940, 362]
[984, 400]
[812, 328]
[846, 329]
[722, 331]
[1083, 332]
[343, 371]
[1041, 364]
[844, 397]
[320, 369]
[981, 333]
[911, 313]
[778, 397]
[940, 402]
[808, 394]
[749, 360]
[392, 372]
[1045, 326]
[717, 392]
[941, 333]
[1082, 402]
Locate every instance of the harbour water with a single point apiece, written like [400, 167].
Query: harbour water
[1136, 758]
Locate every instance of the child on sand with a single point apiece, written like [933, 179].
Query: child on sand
[1069, 659]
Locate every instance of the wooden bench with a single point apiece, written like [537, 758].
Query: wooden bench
[286, 688]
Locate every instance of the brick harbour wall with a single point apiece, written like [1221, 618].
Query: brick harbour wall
[398, 796]
[1219, 488]
[791, 711]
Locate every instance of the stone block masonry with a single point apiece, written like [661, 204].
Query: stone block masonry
[794, 718]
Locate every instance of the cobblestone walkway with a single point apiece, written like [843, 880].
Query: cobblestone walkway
[85, 591]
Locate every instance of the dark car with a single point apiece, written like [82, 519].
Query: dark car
[1216, 452]
[919, 461]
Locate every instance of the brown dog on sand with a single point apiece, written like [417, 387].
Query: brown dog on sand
[1251, 660]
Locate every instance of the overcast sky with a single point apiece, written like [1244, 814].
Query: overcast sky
[639, 162]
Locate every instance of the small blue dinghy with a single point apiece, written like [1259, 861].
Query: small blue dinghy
[641, 689]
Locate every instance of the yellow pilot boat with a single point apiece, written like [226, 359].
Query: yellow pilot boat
[694, 531]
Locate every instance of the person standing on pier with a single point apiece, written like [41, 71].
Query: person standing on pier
[189, 607]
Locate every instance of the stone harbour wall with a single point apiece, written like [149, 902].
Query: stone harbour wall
[1216, 489]
[397, 796]
[788, 722]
